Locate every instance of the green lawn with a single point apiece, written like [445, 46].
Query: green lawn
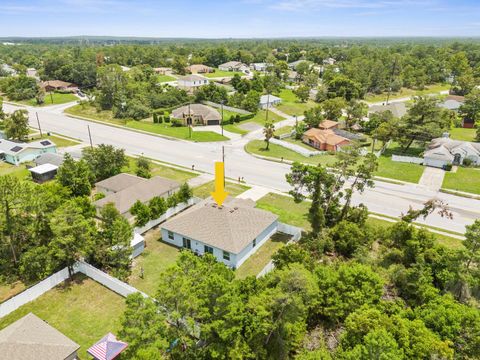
[283, 130]
[291, 105]
[162, 170]
[9, 290]
[398, 170]
[204, 191]
[290, 212]
[235, 129]
[180, 132]
[259, 118]
[20, 171]
[90, 112]
[57, 98]
[276, 151]
[255, 263]
[221, 73]
[59, 141]
[156, 258]
[463, 134]
[85, 311]
[165, 78]
[405, 92]
[464, 179]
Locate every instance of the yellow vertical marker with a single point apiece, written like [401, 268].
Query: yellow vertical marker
[219, 195]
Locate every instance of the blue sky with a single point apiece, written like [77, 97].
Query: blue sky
[240, 18]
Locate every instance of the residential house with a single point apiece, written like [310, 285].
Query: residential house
[197, 114]
[32, 338]
[31, 72]
[267, 101]
[192, 82]
[235, 66]
[328, 125]
[445, 151]
[329, 61]
[123, 196]
[58, 85]
[231, 232]
[293, 65]
[292, 76]
[125, 68]
[163, 70]
[49, 158]
[117, 183]
[262, 67]
[7, 69]
[16, 153]
[398, 109]
[199, 69]
[328, 137]
[453, 102]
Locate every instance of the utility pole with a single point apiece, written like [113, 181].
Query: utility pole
[222, 115]
[39, 127]
[268, 103]
[90, 136]
[51, 97]
[189, 122]
[223, 160]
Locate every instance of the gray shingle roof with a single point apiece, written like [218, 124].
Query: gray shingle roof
[397, 109]
[32, 338]
[119, 182]
[230, 228]
[206, 112]
[49, 158]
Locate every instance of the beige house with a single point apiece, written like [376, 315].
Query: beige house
[197, 114]
[58, 85]
[234, 66]
[123, 191]
[32, 338]
[199, 69]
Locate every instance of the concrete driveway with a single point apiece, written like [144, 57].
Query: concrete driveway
[432, 178]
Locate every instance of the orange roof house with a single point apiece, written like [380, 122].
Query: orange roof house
[324, 140]
[328, 124]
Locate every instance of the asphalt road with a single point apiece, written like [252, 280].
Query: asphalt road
[385, 198]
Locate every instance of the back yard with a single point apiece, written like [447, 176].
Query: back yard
[291, 104]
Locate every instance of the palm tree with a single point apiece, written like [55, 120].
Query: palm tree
[268, 131]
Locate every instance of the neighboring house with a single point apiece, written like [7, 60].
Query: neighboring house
[329, 61]
[31, 72]
[49, 158]
[199, 69]
[142, 190]
[293, 65]
[292, 76]
[453, 102]
[125, 68]
[7, 69]
[262, 67]
[234, 66]
[324, 140]
[398, 109]
[58, 85]
[232, 232]
[445, 151]
[197, 114]
[192, 82]
[163, 70]
[117, 183]
[43, 173]
[32, 338]
[328, 125]
[268, 101]
[16, 153]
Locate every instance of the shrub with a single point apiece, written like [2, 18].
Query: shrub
[176, 123]
[448, 167]
[98, 196]
[467, 162]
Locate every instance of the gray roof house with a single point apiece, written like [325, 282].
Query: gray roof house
[234, 66]
[444, 151]
[268, 101]
[117, 183]
[198, 113]
[453, 102]
[32, 338]
[49, 158]
[142, 190]
[398, 109]
[232, 232]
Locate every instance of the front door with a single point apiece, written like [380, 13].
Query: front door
[457, 159]
[187, 243]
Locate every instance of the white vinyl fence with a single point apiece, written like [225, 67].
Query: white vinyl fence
[407, 159]
[49, 283]
[169, 213]
[297, 148]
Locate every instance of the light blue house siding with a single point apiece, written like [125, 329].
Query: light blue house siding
[28, 154]
[230, 259]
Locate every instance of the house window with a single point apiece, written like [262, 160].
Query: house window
[208, 249]
[226, 256]
[187, 243]
[254, 243]
[170, 235]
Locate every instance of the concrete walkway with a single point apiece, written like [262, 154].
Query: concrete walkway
[255, 193]
[200, 180]
[432, 178]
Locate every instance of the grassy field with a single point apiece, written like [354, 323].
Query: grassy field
[90, 112]
[398, 170]
[291, 105]
[156, 258]
[165, 78]
[235, 129]
[276, 151]
[221, 73]
[463, 134]
[20, 171]
[255, 263]
[283, 130]
[290, 212]
[9, 290]
[464, 179]
[161, 170]
[84, 311]
[405, 92]
[56, 97]
[181, 132]
[59, 141]
[233, 189]
[259, 118]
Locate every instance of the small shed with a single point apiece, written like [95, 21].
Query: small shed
[107, 348]
[43, 173]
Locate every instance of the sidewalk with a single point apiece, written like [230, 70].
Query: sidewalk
[432, 178]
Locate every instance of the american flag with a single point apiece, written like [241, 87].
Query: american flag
[107, 348]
